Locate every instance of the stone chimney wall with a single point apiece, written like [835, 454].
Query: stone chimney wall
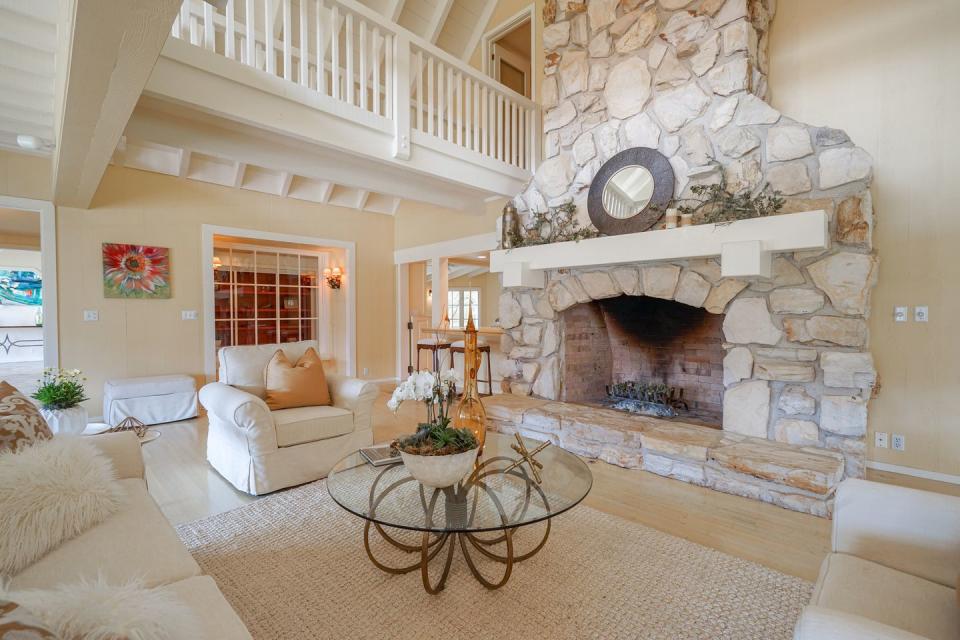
[688, 78]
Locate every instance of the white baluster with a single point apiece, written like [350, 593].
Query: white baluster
[515, 110]
[458, 113]
[185, 20]
[441, 99]
[175, 29]
[499, 129]
[430, 95]
[209, 28]
[363, 64]
[348, 76]
[449, 103]
[476, 116]
[268, 51]
[419, 120]
[304, 45]
[377, 108]
[195, 34]
[389, 43]
[468, 113]
[287, 41]
[485, 121]
[321, 50]
[250, 17]
[230, 35]
[335, 51]
[401, 100]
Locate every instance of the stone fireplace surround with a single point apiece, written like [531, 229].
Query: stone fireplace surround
[689, 79]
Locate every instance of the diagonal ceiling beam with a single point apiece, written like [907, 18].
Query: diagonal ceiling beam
[393, 10]
[109, 52]
[478, 30]
[439, 16]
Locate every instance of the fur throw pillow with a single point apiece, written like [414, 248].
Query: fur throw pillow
[16, 623]
[51, 492]
[98, 611]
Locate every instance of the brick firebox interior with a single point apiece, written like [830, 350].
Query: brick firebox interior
[643, 339]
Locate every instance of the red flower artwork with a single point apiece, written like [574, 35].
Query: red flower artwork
[135, 271]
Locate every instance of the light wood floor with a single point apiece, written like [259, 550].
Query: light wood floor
[186, 488]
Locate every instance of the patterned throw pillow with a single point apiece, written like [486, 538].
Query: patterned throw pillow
[16, 623]
[20, 421]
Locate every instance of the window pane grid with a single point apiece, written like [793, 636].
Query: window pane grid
[460, 302]
[260, 296]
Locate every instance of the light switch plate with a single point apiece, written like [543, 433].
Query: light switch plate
[899, 314]
[91, 315]
[921, 314]
[188, 314]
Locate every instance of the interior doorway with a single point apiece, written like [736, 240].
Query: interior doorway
[28, 334]
[508, 53]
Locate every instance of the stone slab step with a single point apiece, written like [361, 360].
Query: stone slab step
[798, 478]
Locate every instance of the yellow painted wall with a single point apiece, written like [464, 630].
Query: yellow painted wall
[143, 337]
[888, 73]
[24, 176]
[418, 223]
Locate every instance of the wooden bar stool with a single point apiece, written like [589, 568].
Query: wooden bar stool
[484, 349]
[435, 346]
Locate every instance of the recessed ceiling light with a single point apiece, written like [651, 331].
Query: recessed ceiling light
[482, 257]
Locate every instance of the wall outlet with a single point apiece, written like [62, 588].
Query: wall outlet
[91, 315]
[188, 314]
[899, 442]
[880, 440]
[899, 314]
[921, 314]
[366, 371]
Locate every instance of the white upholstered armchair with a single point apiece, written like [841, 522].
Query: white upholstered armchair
[893, 571]
[258, 450]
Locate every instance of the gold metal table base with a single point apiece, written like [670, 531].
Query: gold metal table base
[433, 544]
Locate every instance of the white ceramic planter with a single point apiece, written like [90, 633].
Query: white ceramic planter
[72, 420]
[440, 472]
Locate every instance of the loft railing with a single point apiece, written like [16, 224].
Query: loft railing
[347, 52]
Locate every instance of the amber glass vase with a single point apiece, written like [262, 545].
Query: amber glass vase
[470, 413]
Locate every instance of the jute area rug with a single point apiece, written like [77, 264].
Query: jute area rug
[293, 566]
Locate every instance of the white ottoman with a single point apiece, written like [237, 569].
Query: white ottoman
[152, 399]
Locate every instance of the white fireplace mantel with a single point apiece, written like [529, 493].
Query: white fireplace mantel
[745, 248]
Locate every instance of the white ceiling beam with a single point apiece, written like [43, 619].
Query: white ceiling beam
[395, 205]
[184, 163]
[238, 171]
[478, 30]
[286, 179]
[435, 26]
[362, 198]
[111, 50]
[325, 193]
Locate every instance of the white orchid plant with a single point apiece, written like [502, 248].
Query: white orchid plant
[436, 390]
[435, 437]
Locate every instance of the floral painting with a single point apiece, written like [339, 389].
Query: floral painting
[135, 271]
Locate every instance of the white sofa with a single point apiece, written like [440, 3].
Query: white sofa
[258, 450]
[136, 542]
[894, 568]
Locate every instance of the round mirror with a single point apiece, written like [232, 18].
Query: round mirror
[628, 192]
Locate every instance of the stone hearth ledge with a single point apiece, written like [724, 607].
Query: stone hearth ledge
[794, 477]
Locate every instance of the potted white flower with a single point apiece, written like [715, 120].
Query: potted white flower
[437, 455]
[60, 394]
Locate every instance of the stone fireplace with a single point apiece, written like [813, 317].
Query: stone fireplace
[649, 341]
[688, 78]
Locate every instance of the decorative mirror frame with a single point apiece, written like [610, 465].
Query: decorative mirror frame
[663, 184]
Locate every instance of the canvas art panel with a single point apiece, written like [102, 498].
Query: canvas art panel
[135, 271]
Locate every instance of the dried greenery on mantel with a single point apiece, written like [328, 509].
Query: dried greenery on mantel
[713, 204]
[557, 224]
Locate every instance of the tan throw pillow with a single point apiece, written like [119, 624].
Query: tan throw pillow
[20, 421]
[301, 385]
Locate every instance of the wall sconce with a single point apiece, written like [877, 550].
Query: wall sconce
[429, 294]
[333, 277]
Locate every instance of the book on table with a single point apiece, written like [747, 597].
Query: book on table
[380, 456]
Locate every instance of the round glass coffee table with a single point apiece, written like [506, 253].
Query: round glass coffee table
[481, 514]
